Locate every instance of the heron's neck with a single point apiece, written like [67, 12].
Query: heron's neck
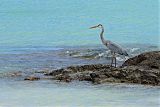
[101, 35]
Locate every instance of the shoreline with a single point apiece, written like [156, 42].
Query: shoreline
[142, 69]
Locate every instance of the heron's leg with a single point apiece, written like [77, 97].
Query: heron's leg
[112, 59]
[115, 62]
[115, 59]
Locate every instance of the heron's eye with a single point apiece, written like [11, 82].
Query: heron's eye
[99, 25]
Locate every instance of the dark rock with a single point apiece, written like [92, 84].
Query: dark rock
[32, 78]
[64, 78]
[142, 69]
[84, 78]
[146, 60]
[95, 78]
[55, 72]
[94, 75]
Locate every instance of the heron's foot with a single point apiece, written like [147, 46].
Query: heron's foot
[113, 66]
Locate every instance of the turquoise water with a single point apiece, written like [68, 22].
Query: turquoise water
[46, 35]
[66, 23]
[52, 94]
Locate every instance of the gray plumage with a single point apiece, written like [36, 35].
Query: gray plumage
[114, 48]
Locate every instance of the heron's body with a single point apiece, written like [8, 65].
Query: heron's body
[114, 48]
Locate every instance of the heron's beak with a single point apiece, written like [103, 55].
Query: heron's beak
[93, 27]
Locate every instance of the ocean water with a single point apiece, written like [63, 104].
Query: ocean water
[44, 35]
[54, 23]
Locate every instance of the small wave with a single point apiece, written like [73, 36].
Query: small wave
[134, 49]
[120, 59]
[103, 53]
[90, 54]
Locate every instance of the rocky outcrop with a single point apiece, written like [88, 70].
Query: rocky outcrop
[149, 60]
[142, 69]
[107, 74]
[32, 78]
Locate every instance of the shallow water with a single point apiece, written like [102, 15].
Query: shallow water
[54, 94]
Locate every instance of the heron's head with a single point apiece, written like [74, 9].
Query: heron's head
[97, 26]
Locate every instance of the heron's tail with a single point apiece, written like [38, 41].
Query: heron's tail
[125, 53]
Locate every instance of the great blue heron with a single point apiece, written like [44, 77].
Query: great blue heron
[114, 48]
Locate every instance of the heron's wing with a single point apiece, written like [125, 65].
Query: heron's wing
[116, 48]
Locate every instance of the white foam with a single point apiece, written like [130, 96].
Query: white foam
[67, 52]
[101, 54]
[134, 49]
[120, 59]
